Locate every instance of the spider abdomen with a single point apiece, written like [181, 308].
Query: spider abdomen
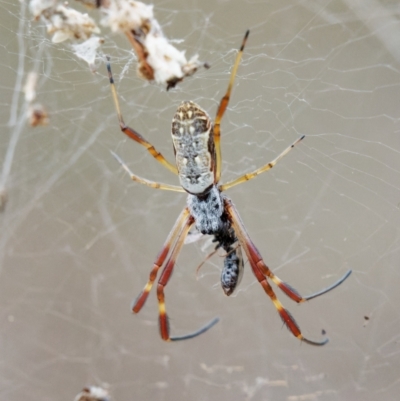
[192, 136]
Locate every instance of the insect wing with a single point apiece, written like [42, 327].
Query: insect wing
[232, 271]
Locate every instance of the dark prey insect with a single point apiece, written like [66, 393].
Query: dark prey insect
[196, 142]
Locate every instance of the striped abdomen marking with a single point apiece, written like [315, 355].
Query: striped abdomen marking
[192, 136]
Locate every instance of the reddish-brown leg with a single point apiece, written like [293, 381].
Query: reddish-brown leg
[176, 229]
[222, 107]
[134, 134]
[261, 271]
[163, 281]
[286, 288]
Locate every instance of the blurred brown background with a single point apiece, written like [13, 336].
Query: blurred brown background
[78, 238]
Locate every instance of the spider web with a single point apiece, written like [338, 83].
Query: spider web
[78, 237]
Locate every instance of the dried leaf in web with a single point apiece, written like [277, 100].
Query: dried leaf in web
[159, 60]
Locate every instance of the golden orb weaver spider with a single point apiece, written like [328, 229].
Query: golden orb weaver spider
[197, 148]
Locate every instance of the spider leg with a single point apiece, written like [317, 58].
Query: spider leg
[260, 170]
[327, 289]
[176, 230]
[222, 107]
[286, 288]
[252, 252]
[163, 281]
[140, 180]
[134, 134]
[209, 256]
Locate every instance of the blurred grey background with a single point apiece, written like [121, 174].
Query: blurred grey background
[78, 238]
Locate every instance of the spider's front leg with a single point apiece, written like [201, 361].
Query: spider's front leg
[163, 281]
[261, 271]
[176, 230]
[177, 236]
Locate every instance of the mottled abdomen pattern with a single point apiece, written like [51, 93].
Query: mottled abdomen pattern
[192, 135]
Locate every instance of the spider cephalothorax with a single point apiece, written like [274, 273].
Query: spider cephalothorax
[208, 211]
[210, 218]
[197, 149]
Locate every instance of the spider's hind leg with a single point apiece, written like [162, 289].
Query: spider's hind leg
[222, 107]
[131, 133]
